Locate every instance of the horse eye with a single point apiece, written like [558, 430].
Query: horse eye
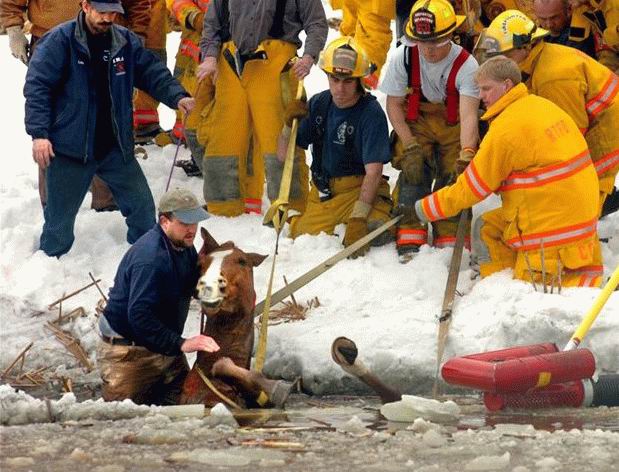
[243, 262]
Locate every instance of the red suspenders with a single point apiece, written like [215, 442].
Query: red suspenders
[414, 97]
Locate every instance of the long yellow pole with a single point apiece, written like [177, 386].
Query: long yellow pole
[588, 320]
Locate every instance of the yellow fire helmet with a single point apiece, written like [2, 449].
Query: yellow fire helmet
[432, 19]
[343, 57]
[512, 29]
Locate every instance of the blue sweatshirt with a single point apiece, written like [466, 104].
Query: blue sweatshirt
[150, 298]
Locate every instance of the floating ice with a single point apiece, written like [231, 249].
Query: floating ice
[489, 462]
[412, 407]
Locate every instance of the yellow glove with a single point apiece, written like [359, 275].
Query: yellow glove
[412, 163]
[357, 227]
[295, 109]
[466, 155]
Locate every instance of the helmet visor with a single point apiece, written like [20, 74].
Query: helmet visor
[486, 47]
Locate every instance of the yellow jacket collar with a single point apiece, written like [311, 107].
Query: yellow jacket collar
[528, 65]
[510, 97]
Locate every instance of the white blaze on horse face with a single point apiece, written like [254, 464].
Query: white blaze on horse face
[212, 284]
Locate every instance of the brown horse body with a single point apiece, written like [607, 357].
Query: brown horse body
[227, 295]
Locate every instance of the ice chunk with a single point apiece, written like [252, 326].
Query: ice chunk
[518, 430]
[354, 426]
[548, 463]
[489, 462]
[220, 415]
[421, 426]
[19, 461]
[433, 439]
[183, 411]
[80, 455]
[217, 458]
[412, 407]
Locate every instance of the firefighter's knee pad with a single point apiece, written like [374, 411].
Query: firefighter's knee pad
[222, 189]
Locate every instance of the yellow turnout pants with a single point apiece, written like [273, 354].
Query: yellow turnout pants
[369, 22]
[579, 263]
[324, 216]
[145, 113]
[440, 145]
[248, 114]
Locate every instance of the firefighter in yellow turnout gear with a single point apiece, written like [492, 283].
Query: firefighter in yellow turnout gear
[248, 98]
[190, 16]
[536, 159]
[432, 103]
[369, 22]
[347, 130]
[145, 114]
[581, 86]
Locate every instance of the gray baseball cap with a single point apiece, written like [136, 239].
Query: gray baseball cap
[184, 205]
[104, 6]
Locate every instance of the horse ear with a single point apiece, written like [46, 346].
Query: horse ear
[208, 242]
[227, 245]
[255, 258]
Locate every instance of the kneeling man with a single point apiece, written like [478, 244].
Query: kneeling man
[348, 132]
[537, 160]
[141, 354]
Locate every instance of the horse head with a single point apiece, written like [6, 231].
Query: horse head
[226, 284]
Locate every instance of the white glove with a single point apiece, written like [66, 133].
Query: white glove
[18, 43]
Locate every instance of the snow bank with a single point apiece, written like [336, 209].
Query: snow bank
[390, 310]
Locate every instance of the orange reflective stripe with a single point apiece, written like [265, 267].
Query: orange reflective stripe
[178, 131]
[190, 49]
[178, 5]
[607, 162]
[450, 241]
[589, 275]
[408, 237]
[432, 207]
[145, 117]
[555, 237]
[477, 185]
[253, 205]
[603, 99]
[548, 174]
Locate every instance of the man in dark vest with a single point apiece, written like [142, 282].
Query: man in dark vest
[253, 79]
[432, 103]
[348, 132]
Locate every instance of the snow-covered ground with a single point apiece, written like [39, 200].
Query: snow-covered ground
[389, 309]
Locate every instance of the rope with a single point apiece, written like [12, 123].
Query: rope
[214, 389]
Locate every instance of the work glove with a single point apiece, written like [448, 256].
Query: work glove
[196, 20]
[409, 215]
[295, 109]
[18, 43]
[412, 163]
[357, 227]
[466, 156]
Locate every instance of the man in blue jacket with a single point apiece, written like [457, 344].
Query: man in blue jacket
[79, 90]
[141, 353]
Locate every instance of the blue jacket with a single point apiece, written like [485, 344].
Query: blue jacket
[60, 93]
[152, 289]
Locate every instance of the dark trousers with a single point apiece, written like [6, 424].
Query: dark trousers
[67, 181]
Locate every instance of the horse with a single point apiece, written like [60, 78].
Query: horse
[227, 297]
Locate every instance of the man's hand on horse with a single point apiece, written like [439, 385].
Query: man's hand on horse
[200, 343]
[42, 152]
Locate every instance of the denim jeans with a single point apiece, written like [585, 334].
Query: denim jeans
[68, 180]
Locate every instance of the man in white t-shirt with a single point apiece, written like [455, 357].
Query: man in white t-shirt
[432, 104]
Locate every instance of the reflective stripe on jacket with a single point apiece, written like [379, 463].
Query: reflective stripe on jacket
[541, 168]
